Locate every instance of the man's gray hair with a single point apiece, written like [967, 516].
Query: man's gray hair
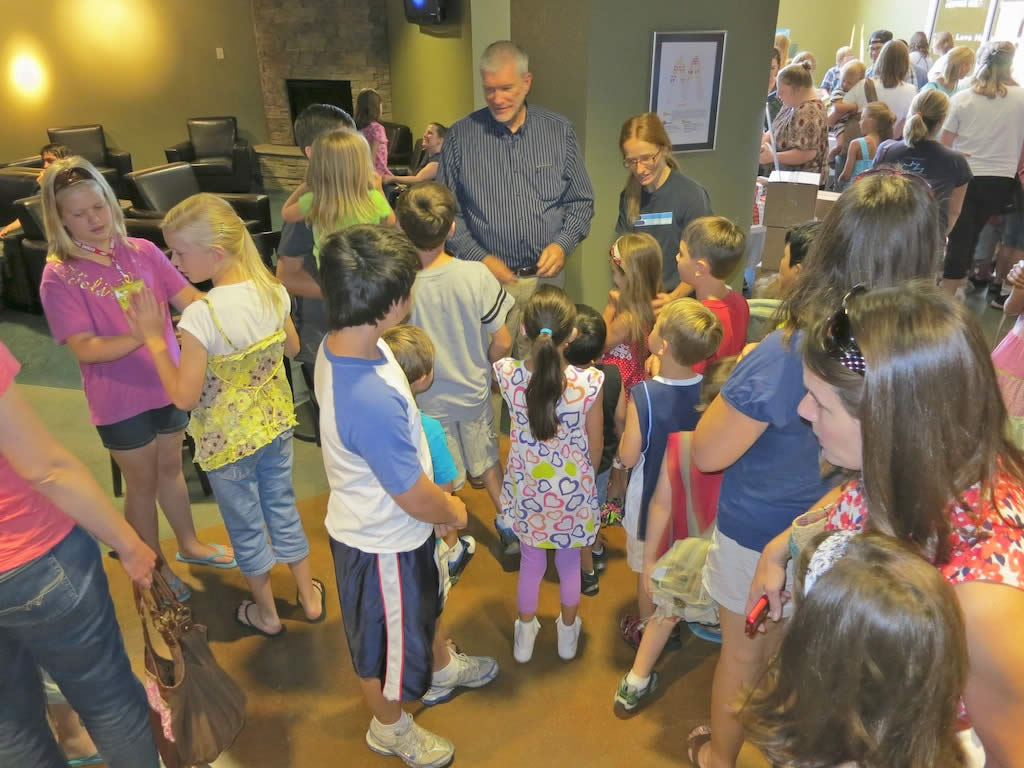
[498, 53]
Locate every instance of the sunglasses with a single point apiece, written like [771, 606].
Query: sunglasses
[840, 343]
[69, 176]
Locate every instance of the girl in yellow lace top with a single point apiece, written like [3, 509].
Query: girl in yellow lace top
[232, 378]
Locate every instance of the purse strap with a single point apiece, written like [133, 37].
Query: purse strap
[160, 605]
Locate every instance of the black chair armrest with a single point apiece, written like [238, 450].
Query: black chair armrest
[120, 161]
[266, 244]
[250, 206]
[143, 214]
[182, 151]
[401, 170]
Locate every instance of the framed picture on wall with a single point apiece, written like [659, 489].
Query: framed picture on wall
[686, 84]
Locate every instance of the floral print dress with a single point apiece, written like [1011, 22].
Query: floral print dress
[549, 497]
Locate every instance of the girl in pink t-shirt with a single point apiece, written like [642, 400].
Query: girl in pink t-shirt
[92, 271]
[368, 114]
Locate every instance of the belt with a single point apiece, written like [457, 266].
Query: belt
[525, 271]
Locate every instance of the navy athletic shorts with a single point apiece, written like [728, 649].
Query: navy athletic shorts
[390, 604]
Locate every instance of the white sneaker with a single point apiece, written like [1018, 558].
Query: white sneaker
[466, 672]
[525, 637]
[418, 747]
[568, 638]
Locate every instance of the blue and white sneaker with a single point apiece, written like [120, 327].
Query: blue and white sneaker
[509, 541]
[467, 546]
[468, 672]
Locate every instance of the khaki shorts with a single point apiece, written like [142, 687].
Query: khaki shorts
[473, 443]
[729, 572]
[521, 291]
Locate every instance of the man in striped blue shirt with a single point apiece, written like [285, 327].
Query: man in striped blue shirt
[525, 201]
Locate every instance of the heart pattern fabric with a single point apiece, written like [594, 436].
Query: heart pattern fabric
[549, 497]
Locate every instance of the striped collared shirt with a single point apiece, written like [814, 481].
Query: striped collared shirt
[517, 192]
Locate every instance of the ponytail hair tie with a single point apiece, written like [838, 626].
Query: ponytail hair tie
[544, 332]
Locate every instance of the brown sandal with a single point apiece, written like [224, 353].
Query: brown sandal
[698, 737]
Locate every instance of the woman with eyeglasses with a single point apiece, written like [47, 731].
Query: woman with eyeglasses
[902, 392]
[92, 272]
[657, 199]
[883, 230]
[800, 129]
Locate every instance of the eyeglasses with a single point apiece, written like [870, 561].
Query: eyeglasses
[69, 176]
[647, 161]
[839, 342]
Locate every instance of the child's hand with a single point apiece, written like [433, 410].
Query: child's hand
[145, 316]
[653, 365]
[613, 297]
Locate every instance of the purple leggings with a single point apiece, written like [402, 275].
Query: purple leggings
[533, 562]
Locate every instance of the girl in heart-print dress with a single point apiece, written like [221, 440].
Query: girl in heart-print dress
[549, 497]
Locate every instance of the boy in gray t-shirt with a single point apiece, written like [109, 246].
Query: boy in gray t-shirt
[462, 307]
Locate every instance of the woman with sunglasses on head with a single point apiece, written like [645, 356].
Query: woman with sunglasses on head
[901, 390]
[882, 230]
[658, 199]
[986, 124]
[92, 271]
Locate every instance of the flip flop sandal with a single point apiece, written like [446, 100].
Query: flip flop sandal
[209, 560]
[323, 602]
[245, 605]
[181, 591]
[698, 737]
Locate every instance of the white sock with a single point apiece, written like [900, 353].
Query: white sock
[455, 551]
[444, 674]
[391, 730]
[636, 682]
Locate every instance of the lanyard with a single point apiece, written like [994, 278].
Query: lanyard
[109, 254]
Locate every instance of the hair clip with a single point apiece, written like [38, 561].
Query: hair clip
[825, 556]
[852, 360]
[544, 332]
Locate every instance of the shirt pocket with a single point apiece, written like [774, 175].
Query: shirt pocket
[547, 182]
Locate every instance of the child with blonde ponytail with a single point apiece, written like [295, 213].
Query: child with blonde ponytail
[232, 377]
[945, 169]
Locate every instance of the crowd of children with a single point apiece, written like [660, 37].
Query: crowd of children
[642, 414]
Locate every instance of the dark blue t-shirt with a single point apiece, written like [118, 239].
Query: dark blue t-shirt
[663, 406]
[779, 477]
[943, 168]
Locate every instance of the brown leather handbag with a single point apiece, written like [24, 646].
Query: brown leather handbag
[196, 709]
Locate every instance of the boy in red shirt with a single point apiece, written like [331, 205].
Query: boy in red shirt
[711, 249]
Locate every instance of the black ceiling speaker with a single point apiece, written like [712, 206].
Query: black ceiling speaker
[425, 11]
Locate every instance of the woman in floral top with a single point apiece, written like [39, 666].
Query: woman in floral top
[800, 128]
[901, 389]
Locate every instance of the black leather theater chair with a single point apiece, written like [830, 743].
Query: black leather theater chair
[221, 160]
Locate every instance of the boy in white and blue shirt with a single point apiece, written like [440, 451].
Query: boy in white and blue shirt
[384, 508]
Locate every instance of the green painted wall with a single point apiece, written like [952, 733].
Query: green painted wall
[431, 68]
[140, 72]
[612, 42]
[819, 28]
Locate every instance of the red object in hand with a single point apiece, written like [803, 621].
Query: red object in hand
[757, 616]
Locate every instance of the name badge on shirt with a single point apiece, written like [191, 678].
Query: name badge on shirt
[653, 219]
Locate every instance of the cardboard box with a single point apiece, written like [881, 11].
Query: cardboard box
[774, 247]
[824, 203]
[788, 203]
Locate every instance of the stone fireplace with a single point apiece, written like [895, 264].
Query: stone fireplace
[318, 40]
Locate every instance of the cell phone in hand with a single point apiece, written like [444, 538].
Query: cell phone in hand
[757, 616]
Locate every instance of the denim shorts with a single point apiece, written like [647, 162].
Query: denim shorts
[1013, 230]
[142, 429]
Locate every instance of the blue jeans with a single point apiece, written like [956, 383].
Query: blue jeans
[56, 613]
[256, 498]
